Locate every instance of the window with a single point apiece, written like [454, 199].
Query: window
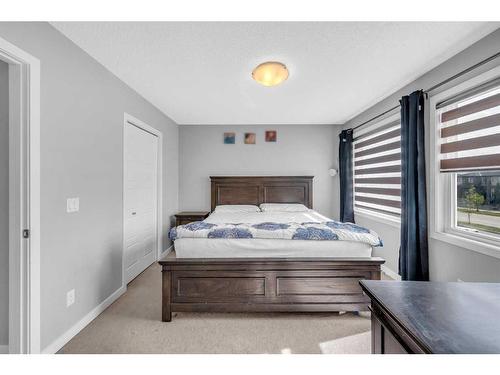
[478, 201]
[377, 169]
[466, 165]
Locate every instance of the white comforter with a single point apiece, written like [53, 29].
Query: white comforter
[256, 247]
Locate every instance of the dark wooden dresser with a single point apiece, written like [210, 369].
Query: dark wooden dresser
[434, 317]
[187, 217]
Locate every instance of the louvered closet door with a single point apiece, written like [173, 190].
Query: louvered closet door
[140, 200]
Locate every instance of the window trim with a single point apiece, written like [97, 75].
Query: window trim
[394, 220]
[442, 213]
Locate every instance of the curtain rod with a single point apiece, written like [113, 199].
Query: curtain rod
[436, 86]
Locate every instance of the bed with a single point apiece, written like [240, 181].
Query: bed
[201, 247]
[262, 274]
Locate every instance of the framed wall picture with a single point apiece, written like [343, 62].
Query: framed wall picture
[229, 138]
[271, 135]
[250, 138]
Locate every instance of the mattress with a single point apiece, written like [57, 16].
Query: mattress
[272, 248]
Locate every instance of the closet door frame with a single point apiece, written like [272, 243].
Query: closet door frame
[24, 199]
[131, 120]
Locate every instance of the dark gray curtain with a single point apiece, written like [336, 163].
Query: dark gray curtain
[413, 253]
[346, 176]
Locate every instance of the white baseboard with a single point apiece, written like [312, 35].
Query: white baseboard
[4, 349]
[167, 251]
[393, 275]
[73, 331]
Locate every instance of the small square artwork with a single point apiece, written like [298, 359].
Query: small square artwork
[250, 138]
[229, 138]
[271, 135]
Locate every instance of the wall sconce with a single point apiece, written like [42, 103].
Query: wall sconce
[332, 172]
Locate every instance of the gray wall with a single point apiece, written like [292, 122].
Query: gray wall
[300, 150]
[4, 203]
[82, 106]
[446, 262]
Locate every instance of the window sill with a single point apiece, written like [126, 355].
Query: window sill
[468, 243]
[378, 217]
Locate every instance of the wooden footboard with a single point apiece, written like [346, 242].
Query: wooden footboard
[265, 284]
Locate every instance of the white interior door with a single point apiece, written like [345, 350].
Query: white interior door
[140, 200]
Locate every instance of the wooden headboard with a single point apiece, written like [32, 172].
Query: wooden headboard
[261, 189]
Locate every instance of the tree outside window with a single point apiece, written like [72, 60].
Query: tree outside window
[474, 200]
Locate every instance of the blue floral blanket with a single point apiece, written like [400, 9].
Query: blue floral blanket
[326, 231]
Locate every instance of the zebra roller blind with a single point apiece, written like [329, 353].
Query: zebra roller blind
[377, 168]
[469, 128]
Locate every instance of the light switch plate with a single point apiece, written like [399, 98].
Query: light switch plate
[72, 205]
[70, 298]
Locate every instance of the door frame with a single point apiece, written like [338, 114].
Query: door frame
[24, 198]
[129, 119]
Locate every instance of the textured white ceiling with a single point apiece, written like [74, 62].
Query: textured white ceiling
[200, 73]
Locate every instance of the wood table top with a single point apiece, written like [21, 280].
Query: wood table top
[443, 317]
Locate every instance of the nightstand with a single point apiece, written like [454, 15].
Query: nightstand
[186, 217]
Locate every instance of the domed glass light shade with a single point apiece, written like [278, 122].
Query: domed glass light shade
[270, 73]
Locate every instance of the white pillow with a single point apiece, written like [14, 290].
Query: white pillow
[237, 208]
[283, 207]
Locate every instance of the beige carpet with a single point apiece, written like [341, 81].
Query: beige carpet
[132, 325]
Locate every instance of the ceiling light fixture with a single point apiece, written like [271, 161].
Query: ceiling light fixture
[270, 73]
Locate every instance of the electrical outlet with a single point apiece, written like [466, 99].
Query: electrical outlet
[72, 205]
[70, 298]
